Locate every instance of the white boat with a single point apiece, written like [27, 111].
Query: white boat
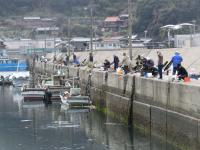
[74, 98]
[33, 95]
[54, 86]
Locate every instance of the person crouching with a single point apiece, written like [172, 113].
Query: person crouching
[182, 73]
[106, 65]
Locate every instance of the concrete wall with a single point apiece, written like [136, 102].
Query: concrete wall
[166, 109]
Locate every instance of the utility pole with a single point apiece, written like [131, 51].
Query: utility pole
[69, 38]
[194, 25]
[130, 28]
[91, 28]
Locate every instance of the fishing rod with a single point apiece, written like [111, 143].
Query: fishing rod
[196, 60]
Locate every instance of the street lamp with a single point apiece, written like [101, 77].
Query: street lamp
[194, 25]
[169, 28]
[145, 34]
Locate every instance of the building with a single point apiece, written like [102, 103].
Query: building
[80, 43]
[112, 24]
[34, 22]
[46, 32]
[108, 43]
[124, 18]
[115, 23]
[187, 40]
[29, 45]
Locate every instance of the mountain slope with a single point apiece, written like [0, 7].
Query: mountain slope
[150, 14]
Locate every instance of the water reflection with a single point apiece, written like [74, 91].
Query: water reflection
[33, 126]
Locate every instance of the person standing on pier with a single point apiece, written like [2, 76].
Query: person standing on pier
[91, 59]
[74, 57]
[115, 62]
[125, 63]
[106, 64]
[176, 59]
[160, 64]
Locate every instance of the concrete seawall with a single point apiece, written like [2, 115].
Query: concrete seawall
[168, 110]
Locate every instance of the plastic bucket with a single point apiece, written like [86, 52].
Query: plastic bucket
[186, 79]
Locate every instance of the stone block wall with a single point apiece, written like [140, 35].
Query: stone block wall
[168, 110]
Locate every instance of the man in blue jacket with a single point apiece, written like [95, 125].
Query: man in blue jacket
[176, 59]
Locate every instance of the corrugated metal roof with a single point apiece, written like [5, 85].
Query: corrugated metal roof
[112, 19]
[31, 18]
[80, 39]
[47, 29]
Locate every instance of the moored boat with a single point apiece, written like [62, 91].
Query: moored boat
[74, 98]
[8, 64]
[32, 94]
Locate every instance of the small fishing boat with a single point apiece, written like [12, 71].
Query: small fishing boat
[32, 94]
[54, 85]
[8, 64]
[74, 98]
[6, 81]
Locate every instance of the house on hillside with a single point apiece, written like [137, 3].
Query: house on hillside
[115, 23]
[112, 24]
[46, 32]
[34, 22]
[124, 19]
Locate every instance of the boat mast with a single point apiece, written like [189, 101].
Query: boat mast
[32, 74]
[17, 65]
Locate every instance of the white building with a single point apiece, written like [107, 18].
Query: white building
[107, 44]
[25, 44]
[187, 40]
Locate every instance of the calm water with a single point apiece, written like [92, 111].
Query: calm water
[36, 127]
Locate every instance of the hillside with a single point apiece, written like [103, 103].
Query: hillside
[150, 14]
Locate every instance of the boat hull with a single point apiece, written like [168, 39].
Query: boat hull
[76, 100]
[33, 95]
[6, 83]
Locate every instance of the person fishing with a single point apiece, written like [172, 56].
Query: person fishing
[182, 73]
[47, 97]
[176, 59]
[160, 64]
[91, 58]
[76, 62]
[139, 64]
[115, 62]
[106, 64]
[125, 63]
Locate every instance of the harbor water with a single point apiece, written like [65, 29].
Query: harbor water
[34, 126]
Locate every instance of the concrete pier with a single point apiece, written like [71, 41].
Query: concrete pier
[169, 110]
